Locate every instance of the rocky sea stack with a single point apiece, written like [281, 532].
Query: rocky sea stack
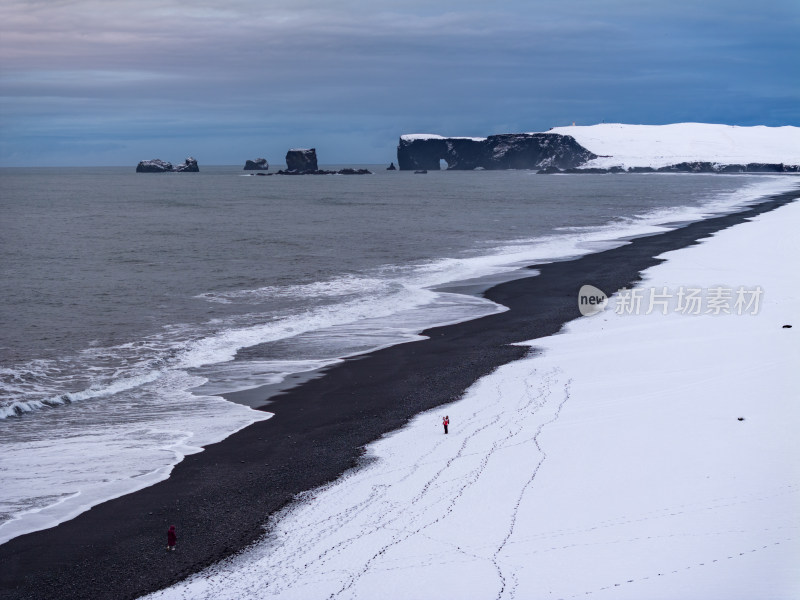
[259, 164]
[157, 165]
[302, 160]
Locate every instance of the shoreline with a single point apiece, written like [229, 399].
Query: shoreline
[677, 426]
[220, 498]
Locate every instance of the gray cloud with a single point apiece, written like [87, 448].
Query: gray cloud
[136, 77]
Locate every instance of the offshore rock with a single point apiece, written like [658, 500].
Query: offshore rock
[302, 160]
[505, 151]
[391, 167]
[188, 166]
[347, 171]
[157, 165]
[259, 164]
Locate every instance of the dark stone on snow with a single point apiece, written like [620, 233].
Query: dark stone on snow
[259, 164]
[689, 167]
[708, 167]
[732, 169]
[589, 171]
[764, 168]
[505, 151]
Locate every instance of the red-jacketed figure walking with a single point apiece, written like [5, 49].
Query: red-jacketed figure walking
[172, 538]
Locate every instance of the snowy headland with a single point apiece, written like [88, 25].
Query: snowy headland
[656, 146]
[680, 147]
[632, 456]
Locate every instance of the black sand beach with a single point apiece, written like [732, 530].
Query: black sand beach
[220, 499]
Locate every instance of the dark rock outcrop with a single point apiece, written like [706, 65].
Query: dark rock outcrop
[689, 167]
[347, 171]
[391, 167]
[549, 171]
[157, 165]
[594, 171]
[302, 160]
[259, 164]
[188, 166]
[684, 167]
[353, 172]
[505, 151]
[771, 168]
[709, 167]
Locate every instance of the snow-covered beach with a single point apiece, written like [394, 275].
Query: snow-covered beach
[633, 456]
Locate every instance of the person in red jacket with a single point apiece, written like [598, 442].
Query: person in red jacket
[446, 422]
[172, 537]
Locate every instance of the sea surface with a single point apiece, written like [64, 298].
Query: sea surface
[130, 303]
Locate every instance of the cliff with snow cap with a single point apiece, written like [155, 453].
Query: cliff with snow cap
[505, 151]
[615, 148]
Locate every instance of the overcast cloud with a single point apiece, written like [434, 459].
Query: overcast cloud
[110, 83]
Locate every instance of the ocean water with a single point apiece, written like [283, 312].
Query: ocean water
[132, 302]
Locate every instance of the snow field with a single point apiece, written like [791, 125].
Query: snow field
[610, 464]
[657, 146]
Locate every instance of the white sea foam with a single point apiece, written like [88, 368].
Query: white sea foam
[353, 299]
[45, 483]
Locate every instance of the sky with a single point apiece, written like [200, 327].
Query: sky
[113, 82]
